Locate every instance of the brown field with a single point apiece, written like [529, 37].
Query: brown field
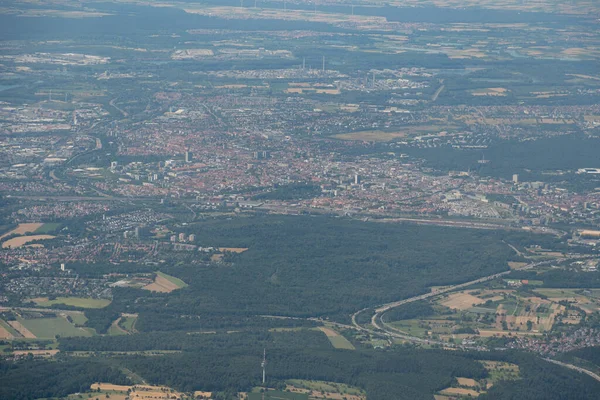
[516, 265]
[21, 329]
[328, 332]
[162, 285]
[200, 394]
[23, 229]
[461, 301]
[233, 249]
[110, 386]
[5, 334]
[460, 392]
[490, 92]
[467, 382]
[37, 353]
[21, 240]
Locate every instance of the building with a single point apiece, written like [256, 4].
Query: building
[182, 237]
[515, 179]
[192, 238]
[189, 156]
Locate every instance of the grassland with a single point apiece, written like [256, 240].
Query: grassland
[165, 283]
[128, 323]
[51, 327]
[337, 340]
[277, 395]
[331, 390]
[82, 302]
[47, 228]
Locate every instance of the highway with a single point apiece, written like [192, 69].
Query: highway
[575, 368]
[390, 332]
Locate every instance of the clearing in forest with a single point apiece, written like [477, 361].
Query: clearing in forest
[165, 283]
[337, 340]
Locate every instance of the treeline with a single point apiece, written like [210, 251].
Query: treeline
[199, 341]
[35, 379]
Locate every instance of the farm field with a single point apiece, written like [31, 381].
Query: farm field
[277, 395]
[23, 331]
[22, 229]
[165, 283]
[337, 340]
[23, 240]
[72, 301]
[478, 314]
[47, 228]
[51, 327]
[325, 390]
[103, 391]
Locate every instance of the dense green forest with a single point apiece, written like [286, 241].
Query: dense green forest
[29, 379]
[229, 362]
[308, 266]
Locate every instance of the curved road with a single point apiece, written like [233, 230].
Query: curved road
[385, 329]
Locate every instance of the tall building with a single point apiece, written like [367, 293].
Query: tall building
[189, 156]
[356, 179]
[515, 179]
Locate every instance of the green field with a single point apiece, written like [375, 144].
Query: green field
[82, 302]
[47, 228]
[180, 284]
[277, 395]
[559, 292]
[78, 317]
[128, 323]
[331, 387]
[340, 342]
[50, 327]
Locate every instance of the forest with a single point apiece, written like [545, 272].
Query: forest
[308, 267]
[230, 362]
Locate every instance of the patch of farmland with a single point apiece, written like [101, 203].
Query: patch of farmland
[22, 229]
[237, 250]
[22, 240]
[4, 333]
[325, 390]
[83, 302]
[467, 382]
[51, 327]
[461, 301]
[165, 283]
[460, 392]
[47, 228]
[25, 332]
[337, 340]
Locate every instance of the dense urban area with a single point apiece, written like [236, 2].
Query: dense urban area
[299, 199]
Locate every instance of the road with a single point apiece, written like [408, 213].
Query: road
[387, 330]
[575, 368]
